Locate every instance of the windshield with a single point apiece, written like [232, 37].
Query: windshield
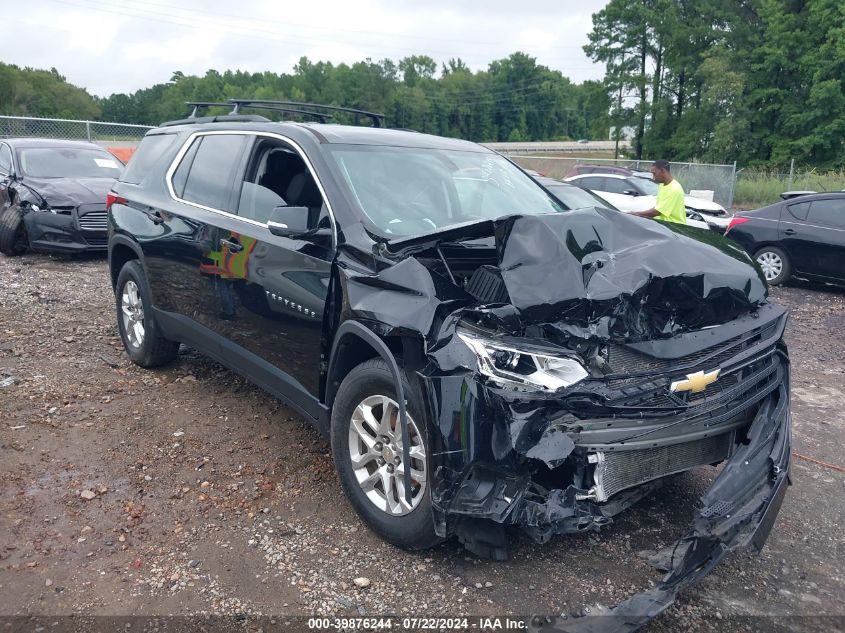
[576, 198]
[646, 185]
[407, 191]
[68, 162]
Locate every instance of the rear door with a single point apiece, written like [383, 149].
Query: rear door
[813, 235]
[185, 231]
[267, 294]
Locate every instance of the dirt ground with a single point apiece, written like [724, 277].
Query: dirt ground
[186, 490]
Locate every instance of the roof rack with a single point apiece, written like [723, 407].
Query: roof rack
[375, 117]
[197, 105]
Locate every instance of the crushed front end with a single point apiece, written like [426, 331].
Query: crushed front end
[572, 361]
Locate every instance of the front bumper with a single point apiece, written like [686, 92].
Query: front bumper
[82, 229]
[502, 459]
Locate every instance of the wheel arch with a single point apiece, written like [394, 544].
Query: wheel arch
[372, 345]
[121, 250]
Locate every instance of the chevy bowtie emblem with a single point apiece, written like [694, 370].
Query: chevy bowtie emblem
[695, 383]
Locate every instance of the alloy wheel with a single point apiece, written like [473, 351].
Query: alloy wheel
[375, 449]
[133, 314]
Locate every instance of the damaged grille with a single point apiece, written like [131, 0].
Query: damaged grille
[616, 471]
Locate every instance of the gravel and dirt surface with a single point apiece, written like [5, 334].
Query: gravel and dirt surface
[186, 490]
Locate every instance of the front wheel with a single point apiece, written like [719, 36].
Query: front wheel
[367, 447]
[774, 264]
[141, 336]
[13, 240]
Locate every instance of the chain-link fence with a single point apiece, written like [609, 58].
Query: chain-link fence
[119, 138]
[714, 182]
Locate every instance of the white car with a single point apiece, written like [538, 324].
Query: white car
[634, 193]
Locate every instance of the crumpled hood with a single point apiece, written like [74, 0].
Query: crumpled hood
[599, 273]
[71, 192]
[588, 274]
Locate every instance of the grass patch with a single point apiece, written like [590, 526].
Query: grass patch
[760, 188]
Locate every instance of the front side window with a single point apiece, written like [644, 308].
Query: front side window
[208, 169]
[645, 186]
[68, 162]
[577, 198]
[592, 183]
[407, 191]
[616, 185]
[277, 177]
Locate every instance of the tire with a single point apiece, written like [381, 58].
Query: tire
[145, 346]
[408, 528]
[13, 239]
[775, 265]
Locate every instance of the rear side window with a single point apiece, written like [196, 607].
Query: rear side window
[149, 151]
[211, 171]
[800, 210]
[828, 212]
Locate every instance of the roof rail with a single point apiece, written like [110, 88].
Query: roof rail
[375, 117]
[197, 105]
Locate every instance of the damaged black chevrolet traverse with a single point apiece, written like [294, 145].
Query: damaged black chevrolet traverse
[480, 357]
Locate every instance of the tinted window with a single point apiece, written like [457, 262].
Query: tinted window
[210, 177]
[5, 159]
[180, 176]
[800, 210]
[828, 212]
[148, 152]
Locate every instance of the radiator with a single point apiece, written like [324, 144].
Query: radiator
[616, 471]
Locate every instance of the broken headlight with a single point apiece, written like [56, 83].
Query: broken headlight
[510, 366]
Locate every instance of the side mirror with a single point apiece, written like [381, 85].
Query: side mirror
[293, 222]
[631, 192]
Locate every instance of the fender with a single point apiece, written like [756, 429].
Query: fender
[119, 239]
[363, 332]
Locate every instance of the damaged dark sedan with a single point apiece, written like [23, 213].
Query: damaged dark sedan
[482, 358]
[53, 195]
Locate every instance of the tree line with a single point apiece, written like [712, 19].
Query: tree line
[759, 82]
[514, 99]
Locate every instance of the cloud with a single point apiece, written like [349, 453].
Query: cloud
[123, 45]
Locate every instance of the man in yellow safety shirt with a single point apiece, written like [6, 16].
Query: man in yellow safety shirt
[669, 206]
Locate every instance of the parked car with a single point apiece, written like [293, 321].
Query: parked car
[567, 189]
[53, 195]
[634, 193]
[478, 355]
[801, 236]
[571, 196]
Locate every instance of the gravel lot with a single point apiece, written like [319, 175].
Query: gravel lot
[186, 490]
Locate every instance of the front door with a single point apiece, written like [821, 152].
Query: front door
[271, 291]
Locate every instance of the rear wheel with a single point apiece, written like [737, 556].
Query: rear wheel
[139, 331]
[367, 448]
[13, 240]
[774, 264]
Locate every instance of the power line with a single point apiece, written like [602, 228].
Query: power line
[227, 29]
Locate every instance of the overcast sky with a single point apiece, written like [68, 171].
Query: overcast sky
[111, 46]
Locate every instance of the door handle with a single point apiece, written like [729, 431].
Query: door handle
[155, 216]
[233, 244]
[789, 232]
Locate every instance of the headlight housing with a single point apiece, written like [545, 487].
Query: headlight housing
[512, 367]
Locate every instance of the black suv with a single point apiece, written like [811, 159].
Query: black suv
[480, 356]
